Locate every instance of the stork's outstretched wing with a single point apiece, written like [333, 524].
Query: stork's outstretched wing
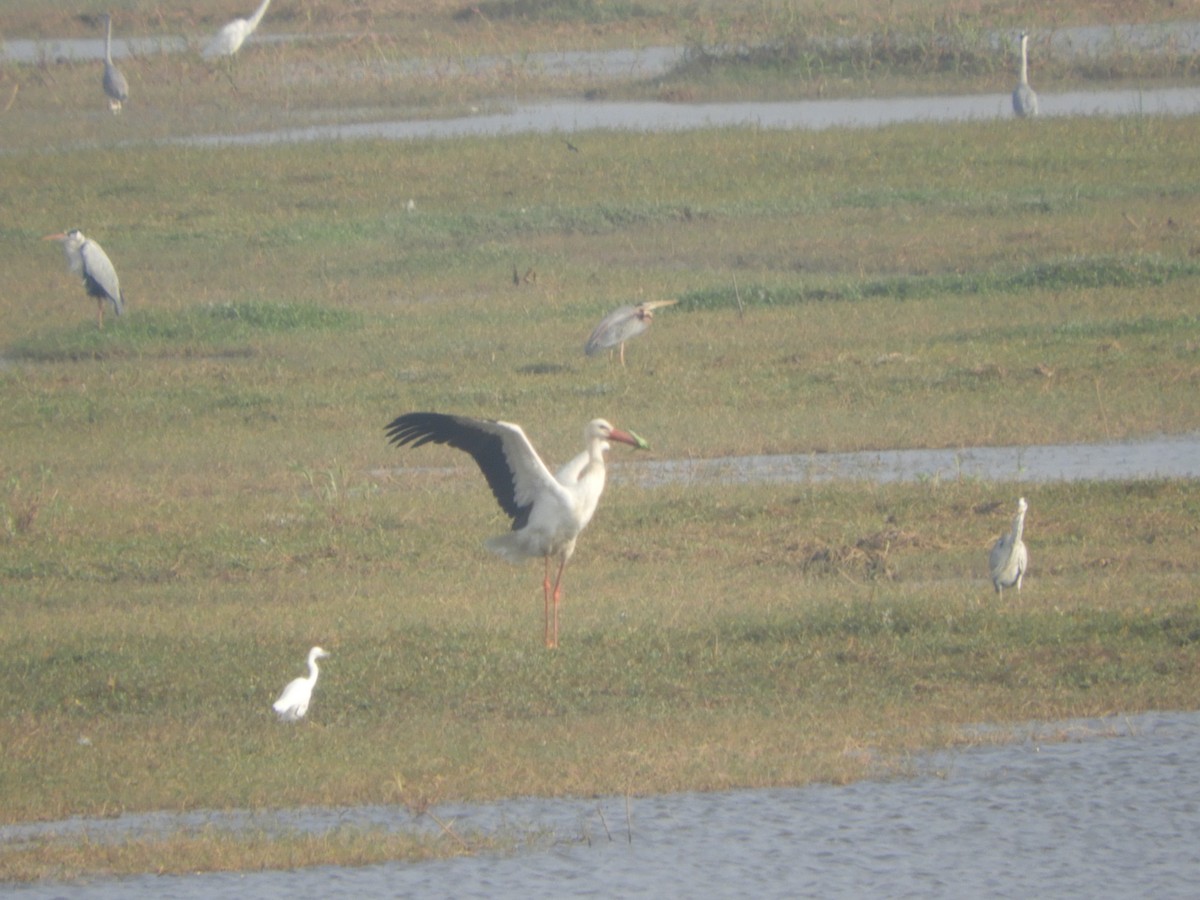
[513, 469]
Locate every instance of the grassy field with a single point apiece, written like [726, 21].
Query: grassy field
[193, 496]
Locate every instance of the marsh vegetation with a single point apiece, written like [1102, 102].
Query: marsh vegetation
[192, 497]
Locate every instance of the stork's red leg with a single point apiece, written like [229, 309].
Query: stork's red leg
[557, 597]
[546, 599]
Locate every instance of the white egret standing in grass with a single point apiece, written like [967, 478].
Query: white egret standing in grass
[115, 85]
[231, 37]
[548, 511]
[1025, 101]
[1009, 558]
[293, 702]
[88, 259]
[621, 325]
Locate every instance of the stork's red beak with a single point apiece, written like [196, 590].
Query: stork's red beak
[55, 237]
[629, 437]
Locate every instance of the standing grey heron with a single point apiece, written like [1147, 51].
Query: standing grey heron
[548, 511]
[1009, 558]
[621, 325]
[293, 702]
[87, 259]
[231, 37]
[115, 85]
[1025, 101]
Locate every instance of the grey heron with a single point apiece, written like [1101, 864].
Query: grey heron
[621, 325]
[1009, 558]
[1025, 101]
[293, 702]
[87, 259]
[548, 511]
[115, 85]
[231, 37]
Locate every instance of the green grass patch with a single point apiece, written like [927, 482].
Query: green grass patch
[1058, 275]
[226, 329]
[579, 12]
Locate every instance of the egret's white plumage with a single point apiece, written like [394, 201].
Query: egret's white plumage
[548, 511]
[231, 37]
[115, 85]
[88, 260]
[1025, 101]
[621, 325]
[293, 702]
[1009, 558]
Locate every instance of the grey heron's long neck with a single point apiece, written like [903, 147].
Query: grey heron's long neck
[108, 40]
[1025, 60]
[258, 14]
[1018, 527]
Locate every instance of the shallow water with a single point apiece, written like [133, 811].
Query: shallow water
[1175, 456]
[1083, 809]
[569, 117]
[1170, 456]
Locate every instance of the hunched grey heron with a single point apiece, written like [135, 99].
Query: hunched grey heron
[621, 325]
[88, 260]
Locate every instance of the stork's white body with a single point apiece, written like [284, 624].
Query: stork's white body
[548, 510]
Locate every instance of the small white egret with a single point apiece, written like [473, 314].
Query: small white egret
[621, 325]
[293, 702]
[1025, 101]
[87, 259]
[115, 85]
[231, 37]
[1009, 558]
[548, 511]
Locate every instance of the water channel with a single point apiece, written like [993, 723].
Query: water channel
[1098, 808]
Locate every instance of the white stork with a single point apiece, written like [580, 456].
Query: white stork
[88, 260]
[621, 325]
[293, 702]
[548, 511]
[1009, 558]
